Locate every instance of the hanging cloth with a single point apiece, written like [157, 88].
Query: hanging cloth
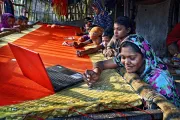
[60, 7]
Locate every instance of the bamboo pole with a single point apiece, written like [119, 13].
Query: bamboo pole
[170, 111]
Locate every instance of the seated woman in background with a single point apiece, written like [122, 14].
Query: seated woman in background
[137, 56]
[105, 40]
[122, 28]
[95, 37]
[173, 40]
[102, 18]
[173, 43]
[7, 23]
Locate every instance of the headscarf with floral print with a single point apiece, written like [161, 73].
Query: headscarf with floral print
[151, 60]
[156, 72]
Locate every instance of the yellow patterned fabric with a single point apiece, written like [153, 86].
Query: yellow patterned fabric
[111, 90]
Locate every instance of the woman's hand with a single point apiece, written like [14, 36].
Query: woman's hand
[91, 77]
[75, 45]
[79, 53]
[109, 53]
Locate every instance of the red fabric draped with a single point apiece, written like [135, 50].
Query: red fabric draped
[174, 35]
[60, 6]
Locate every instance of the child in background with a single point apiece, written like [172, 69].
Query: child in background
[105, 40]
[7, 23]
[123, 26]
[85, 37]
[18, 22]
[25, 20]
[26, 24]
[95, 37]
[88, 24]
[86, 29]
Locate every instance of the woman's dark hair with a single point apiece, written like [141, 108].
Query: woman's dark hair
[25, 18]
[19, 18]
[11, 17]
[107, 34]
[132, 45]
[127, 22]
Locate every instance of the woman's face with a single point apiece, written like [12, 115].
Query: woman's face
[96, 10]
[132, 61]
[10, 21]
[93, 35]
[120, 31]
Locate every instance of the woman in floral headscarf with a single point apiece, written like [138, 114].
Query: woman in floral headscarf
[137, 56]
[7, 23]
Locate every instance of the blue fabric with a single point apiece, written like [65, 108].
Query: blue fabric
[8, 7]
[103, 19]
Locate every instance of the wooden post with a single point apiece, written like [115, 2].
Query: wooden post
[86, 8]
[29, 10]
[49, 11]
[78, 11]
[126, 8]
[35, 11]
[0, 10]
[75, 12]
[81, 10]
[25, 3]
[115, 11]
[70, 13]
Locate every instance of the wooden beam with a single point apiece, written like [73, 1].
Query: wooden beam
[130, 115]
[170, 111]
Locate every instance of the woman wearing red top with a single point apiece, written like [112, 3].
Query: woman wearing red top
[173, 40]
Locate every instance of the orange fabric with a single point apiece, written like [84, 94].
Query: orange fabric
[95, 32]
[16, 88]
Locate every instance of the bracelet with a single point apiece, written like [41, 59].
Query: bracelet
[99, 65]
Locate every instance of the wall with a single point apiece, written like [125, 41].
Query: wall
[152, 24]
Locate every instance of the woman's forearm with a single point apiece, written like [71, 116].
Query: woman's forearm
[91, 50]
[106, 64]
[97, 70]
[6, 29]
